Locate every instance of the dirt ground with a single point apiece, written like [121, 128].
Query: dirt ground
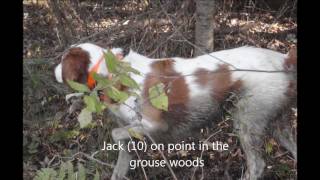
[51, 133]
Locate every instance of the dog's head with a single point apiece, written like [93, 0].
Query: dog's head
[80, 62]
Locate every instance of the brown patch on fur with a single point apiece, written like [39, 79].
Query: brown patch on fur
[220, 80]
[75, 65]
[290, 62]
[175, 87]
[292, 89]
[203, 76]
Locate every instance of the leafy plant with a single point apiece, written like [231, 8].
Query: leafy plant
[120, 72]
[65, 172]
[45, 174]
[157, 97]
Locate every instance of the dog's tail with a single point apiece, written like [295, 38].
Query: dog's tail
[290, 63]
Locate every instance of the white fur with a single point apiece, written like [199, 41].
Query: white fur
[262, 99]
[139, 62]
[117, 51]
[263, 96]
[95, 53]
[58, 73]
[244, 58]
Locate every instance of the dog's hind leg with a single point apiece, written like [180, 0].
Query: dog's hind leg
[285, 133]
[250, 119]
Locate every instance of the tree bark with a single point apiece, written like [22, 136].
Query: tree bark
[204, 27]
[62, 23]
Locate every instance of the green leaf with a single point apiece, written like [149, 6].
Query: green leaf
[63, 135]
[69, 167]
[158, 98]
[96, 176]
[102, 82]
[45, 174]
[268, 147]
[111, 61]
[134, 94]
[77, 86]
[131, 69]
[128, 81]
[33, 147]
[135, 134]
[126, 66]
[81, 172]
[62, 171]
[84, 118]
[117, 95]
[123, 97]
[90, 103]
[97, 76]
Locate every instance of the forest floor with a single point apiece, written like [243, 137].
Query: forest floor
[51, 133]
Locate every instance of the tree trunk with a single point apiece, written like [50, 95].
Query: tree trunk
[204, 27]
[63, 25]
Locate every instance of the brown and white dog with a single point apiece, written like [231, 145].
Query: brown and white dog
[197, 88]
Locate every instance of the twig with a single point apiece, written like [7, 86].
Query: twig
[203, 151]
[241, 173]
[163, 156]
[89, 157]
[135, 150]
[176, 29]
[144, 34]
[168, 38]
[279, 155]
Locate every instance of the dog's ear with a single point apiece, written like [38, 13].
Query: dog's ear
[75, 65]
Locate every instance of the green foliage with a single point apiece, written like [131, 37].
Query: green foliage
[62, 171]
[135, 134]
[85, 117]
[282, 170]
[32, 148]
[65, 172]
[46, 174]
[81, 172]
[127, 68]
[116, 95]
[77, 86]
[96, 176]
[128, 81]
[111, 61]
[63, 135]
[70, 173]
[158, 97]
[268, 147]
[93, 104]
[120, 75]
[102, 82]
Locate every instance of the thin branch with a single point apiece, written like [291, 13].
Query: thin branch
[143, 170]
[163, 156]
[203, 151]
[91, 157]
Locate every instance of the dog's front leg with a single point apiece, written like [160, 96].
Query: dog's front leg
[122, 165]
[122, 136]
